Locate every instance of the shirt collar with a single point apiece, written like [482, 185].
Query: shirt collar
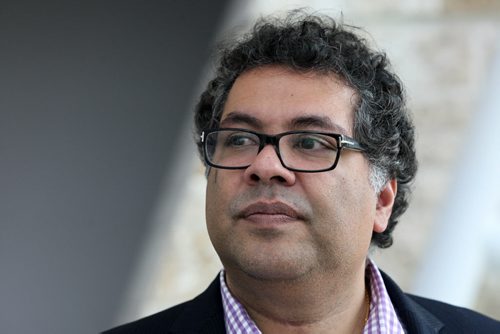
[236, 318]
[382, 318]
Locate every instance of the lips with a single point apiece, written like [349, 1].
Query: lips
[273, 211]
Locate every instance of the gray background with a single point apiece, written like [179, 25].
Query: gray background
[91, 98]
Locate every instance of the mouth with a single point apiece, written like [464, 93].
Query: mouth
[266, 214]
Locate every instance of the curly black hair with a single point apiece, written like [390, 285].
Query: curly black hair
[304, 42]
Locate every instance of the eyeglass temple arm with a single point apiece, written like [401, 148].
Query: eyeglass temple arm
[350, 143]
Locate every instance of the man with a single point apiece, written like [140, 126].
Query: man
[310, 155]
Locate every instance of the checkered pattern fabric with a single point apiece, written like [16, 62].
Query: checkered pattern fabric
[382, 318]
[236, 317]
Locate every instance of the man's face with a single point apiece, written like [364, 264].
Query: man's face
[274, 224]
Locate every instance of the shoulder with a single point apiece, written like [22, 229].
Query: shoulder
[423, 315]
[458, 319]
[203, 314]
[154, 323]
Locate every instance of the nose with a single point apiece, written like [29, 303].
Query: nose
[267, 168]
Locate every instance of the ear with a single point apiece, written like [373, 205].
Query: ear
[385, 202]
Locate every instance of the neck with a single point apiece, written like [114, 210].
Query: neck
[323, 303]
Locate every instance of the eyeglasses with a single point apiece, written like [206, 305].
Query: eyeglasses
[299, 151]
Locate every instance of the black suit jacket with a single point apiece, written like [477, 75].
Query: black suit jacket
[204, 314]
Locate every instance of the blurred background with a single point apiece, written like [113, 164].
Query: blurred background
[101, 190]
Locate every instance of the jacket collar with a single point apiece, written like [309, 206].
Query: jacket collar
[415, 318]
[204, 314]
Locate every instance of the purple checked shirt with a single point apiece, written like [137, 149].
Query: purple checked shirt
[382, 318]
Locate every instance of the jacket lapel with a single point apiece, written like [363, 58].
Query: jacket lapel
[415, 318]
[204, 314]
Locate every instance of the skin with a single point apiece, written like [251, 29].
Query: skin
[294, 245]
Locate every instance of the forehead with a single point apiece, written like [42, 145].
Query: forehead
[277, 97]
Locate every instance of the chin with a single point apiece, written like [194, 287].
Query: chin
[277, 259]
[273, 275]
[269, 268]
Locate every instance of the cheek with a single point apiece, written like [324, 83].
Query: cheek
[218, 195]
[214, 204]
[214, 197]
[345, 208]
[333, 198]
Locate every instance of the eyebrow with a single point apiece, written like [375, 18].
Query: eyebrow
[307, 121]
[236, 117]
[315, 121]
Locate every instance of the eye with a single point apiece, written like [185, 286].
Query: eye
[314, 142]
[239, 139]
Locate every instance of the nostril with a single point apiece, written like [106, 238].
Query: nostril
[256, 178]
[279, 178]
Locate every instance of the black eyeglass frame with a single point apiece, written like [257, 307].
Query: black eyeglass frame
[343, 142]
